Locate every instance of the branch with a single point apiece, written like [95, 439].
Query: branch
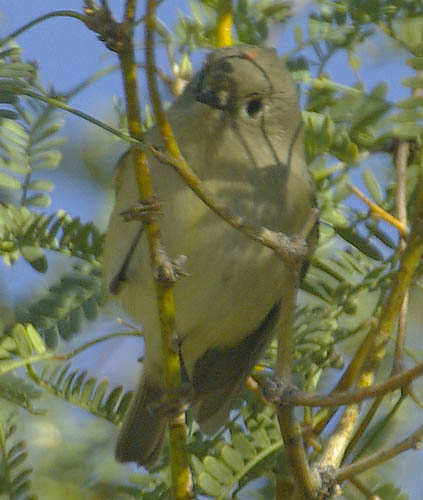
[380, 212]
[290, 249]
[8, 365]
[381, 426]
[224, 23]
[37, 20]
[347, 380]
[179, 461]
[57, 103]
[413, 442]
[291, 431]
[357, 396]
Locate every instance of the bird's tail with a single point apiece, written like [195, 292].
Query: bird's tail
[142, 434]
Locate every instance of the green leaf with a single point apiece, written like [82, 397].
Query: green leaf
[14, 480]
[46, 160]
[41, 185]
[87, 390]
[408, 115]
[261, 439]
[40, 134]
[415, 62]
[407, 130]
[38, 200]
[413, 82]
[335, 216]
[409, 31]
[218, 470]
[383, 236]
[35, 339]
[113, 398]
[298, 34]
[197, 464]
[99, 393]
[8, 114]
[411, 102]
[9, 181]
[209, 485]
[313, 27]
[22, 339]
[77, 386]
[243, 445]
[35, 257]
[8, 98]
[233, 458]
[373, 186]
[360, 242]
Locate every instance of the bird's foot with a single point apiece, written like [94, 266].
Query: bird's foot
[173, 403]
[170, 270]
[144, 211]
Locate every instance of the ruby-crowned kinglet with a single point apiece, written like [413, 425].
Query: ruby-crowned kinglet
[239, 127]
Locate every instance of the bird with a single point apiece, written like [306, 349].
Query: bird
[238, 124]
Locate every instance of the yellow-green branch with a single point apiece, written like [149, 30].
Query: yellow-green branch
[224, 23]
[179, 462]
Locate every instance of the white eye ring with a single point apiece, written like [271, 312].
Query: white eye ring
[254, 107]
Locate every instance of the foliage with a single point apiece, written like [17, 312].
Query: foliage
[350, 130]
[15, 480]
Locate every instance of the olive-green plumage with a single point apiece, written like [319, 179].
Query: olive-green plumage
[239, 127]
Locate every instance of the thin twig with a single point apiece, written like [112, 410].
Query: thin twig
[88, 81]
[358, 395]
[98, 340]
[138, 144]
[410, 260]
[8, 365]
[401, 162]
[362, 488]
[286, 248]
[380, 212]
[362, 427]
[412, 442]
[37, 20]
[348, 379]
[378, 431]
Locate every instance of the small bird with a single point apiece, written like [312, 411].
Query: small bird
[238, 125]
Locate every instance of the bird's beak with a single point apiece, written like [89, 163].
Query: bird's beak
[210, 98]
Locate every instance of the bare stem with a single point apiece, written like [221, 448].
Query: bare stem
[352, 397]
[401, 162]
[179, 463]
[37, 20]
[380, 428]
[347, 380]
[293, 441]
[339, 439]
[224, 23]
[290, 427]
[412, 442]
[286, 248]
[380, 212]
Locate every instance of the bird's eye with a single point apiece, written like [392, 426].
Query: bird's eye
[254, 107]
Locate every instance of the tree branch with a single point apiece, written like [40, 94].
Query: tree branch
[412, 442]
